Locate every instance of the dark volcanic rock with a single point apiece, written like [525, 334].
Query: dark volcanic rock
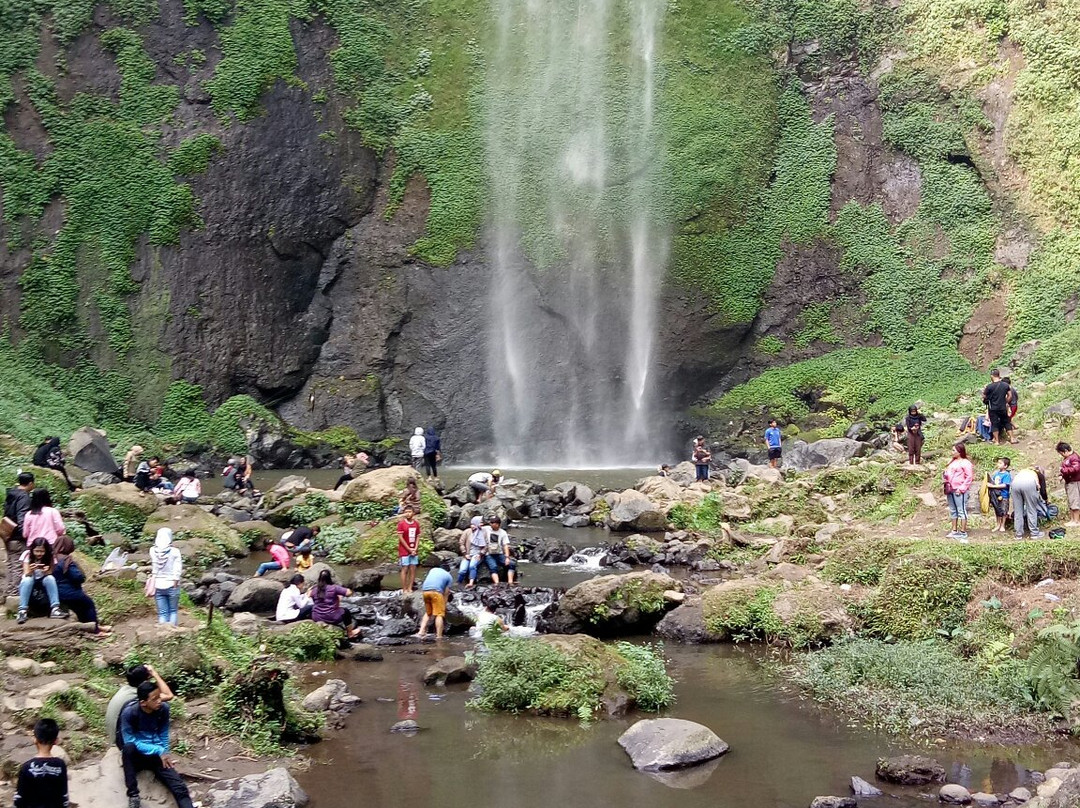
[910, 770]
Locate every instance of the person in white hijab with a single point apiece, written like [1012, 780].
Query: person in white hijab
[417, 446]
[167, 566]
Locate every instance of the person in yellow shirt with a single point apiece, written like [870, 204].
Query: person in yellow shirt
[303, 560]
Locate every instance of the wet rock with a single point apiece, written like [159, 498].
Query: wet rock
[398, 627]
[633, 511]
[985, 800]
[658, 744]
[449, 671]
[333, 696]
[861, 788]
[910, 770]
[686, 624]
[575, 521]
[89, 450]
[255, 595]
[550, 551]
[447, 539]
[407, 726]
[275, 788]
[954, 794]
[833, 802]
[367, 580]
[612, 605]
[1020, 794]
[362, 652]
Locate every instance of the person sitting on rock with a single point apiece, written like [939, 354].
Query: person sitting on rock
[499, 551]
[188, 489]
[37, 564]
[473, 546]
[159, 478]
[483, 484]
[43, 521]
[304, 560]
[281, 559]
[144, 474]
[135, 676]
[351, 463]
[49, 455]
[410, 497]
[69, 584]
[293, 604]
[144, 730]
[326, 597]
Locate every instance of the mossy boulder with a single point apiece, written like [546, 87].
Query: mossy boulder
[383, 486]
[741, 609]
[379, 542]
[612, 605]
[812, 614]
[120, 508]
[918, 596]
[198, 535]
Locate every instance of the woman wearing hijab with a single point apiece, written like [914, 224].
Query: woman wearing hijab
[69, 584]
[166, 568]
[48, 455]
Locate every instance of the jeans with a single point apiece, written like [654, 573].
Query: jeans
[267, 566]
[958, 505]
[26, 586]
[701, 472]
[168, 605]
[135, 761]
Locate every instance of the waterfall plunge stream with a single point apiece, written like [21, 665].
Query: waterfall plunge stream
[576, 244]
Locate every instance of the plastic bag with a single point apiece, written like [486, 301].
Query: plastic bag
[117, 559]
[984, 496]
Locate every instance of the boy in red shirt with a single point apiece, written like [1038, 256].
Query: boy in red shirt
[408, 542]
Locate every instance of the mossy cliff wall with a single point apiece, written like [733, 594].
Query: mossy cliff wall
[285, 198]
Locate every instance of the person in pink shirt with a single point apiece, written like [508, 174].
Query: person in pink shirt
[957, 478]
[43, 521]
[280, 562]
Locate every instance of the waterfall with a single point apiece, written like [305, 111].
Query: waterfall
[576, 243]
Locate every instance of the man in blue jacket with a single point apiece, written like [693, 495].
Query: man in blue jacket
[144, 735]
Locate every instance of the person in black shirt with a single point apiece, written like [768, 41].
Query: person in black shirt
[43, 781]
[16, 506]
[996, 397]
[913, 425]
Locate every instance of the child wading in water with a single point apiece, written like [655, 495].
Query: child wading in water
[999, 485]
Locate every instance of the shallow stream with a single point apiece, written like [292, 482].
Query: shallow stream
[784, 752]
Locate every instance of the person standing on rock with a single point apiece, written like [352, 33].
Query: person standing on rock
[1070, 473]
[43, 780]
[701, 457]
[432, 454]
[408, 529]
[166, 569]
[436, 593]
[996, 396]
[131, 462]
[957, 478]
[126, 693]
[417, 446]
[16, 507]
[774, 443]
[913, 426]
[1026, 496]
[144, 730]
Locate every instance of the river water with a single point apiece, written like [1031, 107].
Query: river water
[784, 751]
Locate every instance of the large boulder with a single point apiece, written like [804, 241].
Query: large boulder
[450, 670]
[665, 491]
[634, 512]
[89, 450]
[99, 783]
[550, 551]
[196, 532]
[658, 744]
[255, 595]
[107, 498]
[612, 605]
[910, 770]
[379, 485]
[828, 452]
[275, 788]
[686, 624]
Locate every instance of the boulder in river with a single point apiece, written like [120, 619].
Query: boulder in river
[380, 485]
[910, 770]
[954, 794]
[275, 788]
[861, 788]
[633, 511]
[89, 450]
[657, 744]
[450, 670]
[550, 551]
[833, 802]
[612, 605]
[255, 595]
[686, 624]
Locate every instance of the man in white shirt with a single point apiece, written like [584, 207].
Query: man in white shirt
[483, 484]
[293, 604]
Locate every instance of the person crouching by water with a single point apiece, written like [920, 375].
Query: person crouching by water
[143, 738]
[436, 592]
[957, 478]
[913, 426]
[326, 599]
[293, 602]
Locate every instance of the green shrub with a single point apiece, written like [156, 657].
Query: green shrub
[314, 507]
[863, 561]
[645, 677]
[519, 674]
[304, 642]
[184, 417]
[742, 611]
[919, 596]
[227, 424]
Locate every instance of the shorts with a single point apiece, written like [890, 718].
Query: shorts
[1000, 502]
[1072, 493]
[958, 505]
[775, 454]
[408, 561]
[999, 420]
[434, 604]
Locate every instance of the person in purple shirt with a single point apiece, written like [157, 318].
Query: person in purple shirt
[326, 604]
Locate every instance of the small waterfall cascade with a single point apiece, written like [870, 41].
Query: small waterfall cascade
[576, 242]
[588, 558]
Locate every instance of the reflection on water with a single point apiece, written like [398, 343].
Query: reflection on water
[783, 752]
